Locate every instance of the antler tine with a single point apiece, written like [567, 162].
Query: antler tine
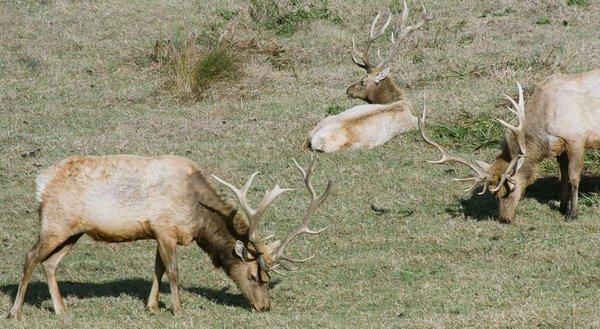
[477, 181]
[482, 174]
[508, 173]
[302, 228]
[356, 52]
[241, 194]
[517, 160]
[402, 31]
[519, 111]
[373, 35]
[254, 216]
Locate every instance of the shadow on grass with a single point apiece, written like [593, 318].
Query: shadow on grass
[547, 189]
[544, 190]
[37, 292]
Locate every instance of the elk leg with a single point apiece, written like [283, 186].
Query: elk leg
[167, 250]
[575, 154]
[159, 270]
[50, 265]
[563, 163]
[42, 250]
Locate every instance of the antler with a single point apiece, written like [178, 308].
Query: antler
[372, 37]
[517, 161]
[482, 176]
[402, 31]
[302, 228]
[254, 216]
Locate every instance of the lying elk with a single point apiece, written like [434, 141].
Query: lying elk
[167, 198]
[563, 120]
[388, 112]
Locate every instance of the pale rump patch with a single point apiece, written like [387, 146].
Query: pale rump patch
[41, 181]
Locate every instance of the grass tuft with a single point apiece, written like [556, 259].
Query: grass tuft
[580, 3]
[216, 64]
[193, 69]
[544, 20]
[334, 109]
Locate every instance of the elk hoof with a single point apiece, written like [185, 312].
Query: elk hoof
[153, 309]
[564, 208]
[17, 316]
[573, 216]
[504, 220]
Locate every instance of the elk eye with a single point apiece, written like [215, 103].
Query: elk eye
[253, 278]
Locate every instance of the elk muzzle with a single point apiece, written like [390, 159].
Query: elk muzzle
[357, 90]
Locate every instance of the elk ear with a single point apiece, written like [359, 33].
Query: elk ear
[240, 249]
[271, 247]
[381, 75]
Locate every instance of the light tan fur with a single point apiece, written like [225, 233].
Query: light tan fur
[362, 127]
[125, 198]
[562, 119]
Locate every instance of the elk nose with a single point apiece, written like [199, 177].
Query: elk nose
[262, 308]
[307, 144]
[348, 93]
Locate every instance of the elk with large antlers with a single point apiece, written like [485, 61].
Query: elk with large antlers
[562, 120]
[166, 198]
[388, 112]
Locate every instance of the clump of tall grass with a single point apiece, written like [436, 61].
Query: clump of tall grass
[193, 69]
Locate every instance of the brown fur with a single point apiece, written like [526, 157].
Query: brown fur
[383, 92]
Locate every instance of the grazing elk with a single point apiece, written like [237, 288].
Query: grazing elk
[167, 198]
[562, 120]
[388, 112]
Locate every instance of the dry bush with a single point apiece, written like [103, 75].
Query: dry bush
[199, 66]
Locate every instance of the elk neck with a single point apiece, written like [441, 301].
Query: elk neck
[221, 226]
[537, 151]
[388, 92]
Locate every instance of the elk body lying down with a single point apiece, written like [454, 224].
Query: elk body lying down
[562, 120]
[363, 126]
[166, 198]
[388, 113]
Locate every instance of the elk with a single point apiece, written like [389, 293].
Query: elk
[166, 198]
[562, 120]
[388, 112]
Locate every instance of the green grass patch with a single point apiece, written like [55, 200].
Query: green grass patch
[469, 131]
[580, 3]
[193, 68]
[334, 109]
[217, 63]
[543, 21]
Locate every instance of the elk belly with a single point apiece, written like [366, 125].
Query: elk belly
[115, 213]
[379, 129]
[363, 126]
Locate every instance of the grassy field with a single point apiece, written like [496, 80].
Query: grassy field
[405, 246]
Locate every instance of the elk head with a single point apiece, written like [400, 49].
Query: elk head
[257, 260]
[375, 87]
[502, 178]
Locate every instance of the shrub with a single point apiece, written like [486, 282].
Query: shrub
[193, 69]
